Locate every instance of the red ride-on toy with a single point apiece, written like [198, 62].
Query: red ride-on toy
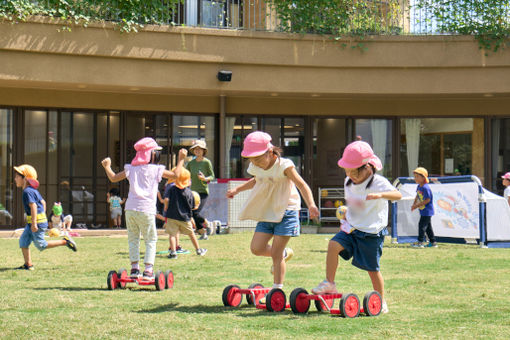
[276, 300]
[121, 278]
[349, 303]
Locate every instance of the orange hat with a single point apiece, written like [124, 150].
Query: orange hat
[29, 173]
[184, 179]
[423, 172]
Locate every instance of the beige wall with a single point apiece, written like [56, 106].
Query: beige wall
[174, 69]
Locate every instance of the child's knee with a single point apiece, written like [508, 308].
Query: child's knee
[256, 250]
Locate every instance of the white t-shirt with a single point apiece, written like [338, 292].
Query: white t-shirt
[272, 194]
[506, 193]
[367, 216]
[143, 186]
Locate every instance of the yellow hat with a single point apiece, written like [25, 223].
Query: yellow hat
[423, 172]
[27, 171]
[184, 180]
[196, 196]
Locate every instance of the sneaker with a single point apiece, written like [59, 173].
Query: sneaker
[325, 287]
[432, 245]
[70, 243]
[204, 237]
[384, 307]
[287, 255]
[172, 255]
[201, 251]
[26, 267]
[181, 250]
[134, 272]
[148, 274]
[418, 245]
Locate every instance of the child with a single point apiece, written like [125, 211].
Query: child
[35, 206]
[179, 213]
[274, 201]
[112, 197]
[57, 219]
[202, 173]
[424, 202]
[362, 232]
[144, 175]
[506, 183]
[179, 249]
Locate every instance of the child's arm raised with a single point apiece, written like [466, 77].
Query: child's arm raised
[169, 174]
[243, 187]
[394, 195]
[304, 189]
[112, 176]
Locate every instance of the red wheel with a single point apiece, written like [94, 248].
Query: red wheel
[349, 305]
[321, 307]
[122, 274]
[231, 296]
[159, 280]
[111, 281]
[169, 279]
[298, 301]
[258, 295]
[276, 300]
[372, 303]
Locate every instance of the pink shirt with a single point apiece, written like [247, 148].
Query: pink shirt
[143, 186]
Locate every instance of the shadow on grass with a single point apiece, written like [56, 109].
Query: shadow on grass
[318, 251]
[71, 289]
[174, 307]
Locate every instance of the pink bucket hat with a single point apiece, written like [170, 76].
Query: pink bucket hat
[143, 149]
[359, 153]
[506, 176]
[256, 144]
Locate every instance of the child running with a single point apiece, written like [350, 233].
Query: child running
[364, 227]
[274, 201]
[144, 175]
[115, 202]
[25, 177]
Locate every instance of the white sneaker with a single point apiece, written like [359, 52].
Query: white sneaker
[325, 287]
[201, 251]
[204, 237]
[287, 255]
[384, 307]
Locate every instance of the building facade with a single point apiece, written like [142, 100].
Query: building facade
[69, 99]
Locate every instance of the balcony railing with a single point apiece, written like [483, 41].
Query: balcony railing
[380, 17]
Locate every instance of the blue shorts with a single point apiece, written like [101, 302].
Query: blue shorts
[288, 226]
[38, 237]
[364, 248]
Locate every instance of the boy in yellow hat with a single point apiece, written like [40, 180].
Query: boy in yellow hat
[25, 177]
[424, 202]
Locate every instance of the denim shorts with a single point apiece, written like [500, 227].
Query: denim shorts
[364, 248]
[288, 226]
[38, 237]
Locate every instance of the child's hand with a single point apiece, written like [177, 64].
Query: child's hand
[373, 196]
[107, 162]
[34, 228]
[413, 207]
[183, 153]
[314, 212]
[201, 177]
[231, 193]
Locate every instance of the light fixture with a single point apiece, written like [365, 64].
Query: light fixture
[224, 75]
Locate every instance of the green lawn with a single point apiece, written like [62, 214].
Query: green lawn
[454, 291]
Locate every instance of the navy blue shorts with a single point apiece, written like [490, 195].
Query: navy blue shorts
[364, 248]
[288, 226]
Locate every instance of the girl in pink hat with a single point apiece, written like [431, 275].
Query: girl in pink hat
[506, 183]
[363, 228]
[144, 175]
[274, 201]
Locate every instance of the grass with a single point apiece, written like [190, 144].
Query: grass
[454, 291]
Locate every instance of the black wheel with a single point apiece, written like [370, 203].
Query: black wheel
[298, 301]
[276, 301]
[159, 280]
[349, 305]
[258, 296]
[169, 279]
[321, 307]
[372, 303]
[111, 281]
[122, 274]
[231, 296]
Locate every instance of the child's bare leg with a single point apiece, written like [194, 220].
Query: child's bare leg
[55, 243]
[334, 248]
[26, 256]
[277, 248]
[377, 282]
[173, 245]
[260, 244]
[177, 238]
[194, 240]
